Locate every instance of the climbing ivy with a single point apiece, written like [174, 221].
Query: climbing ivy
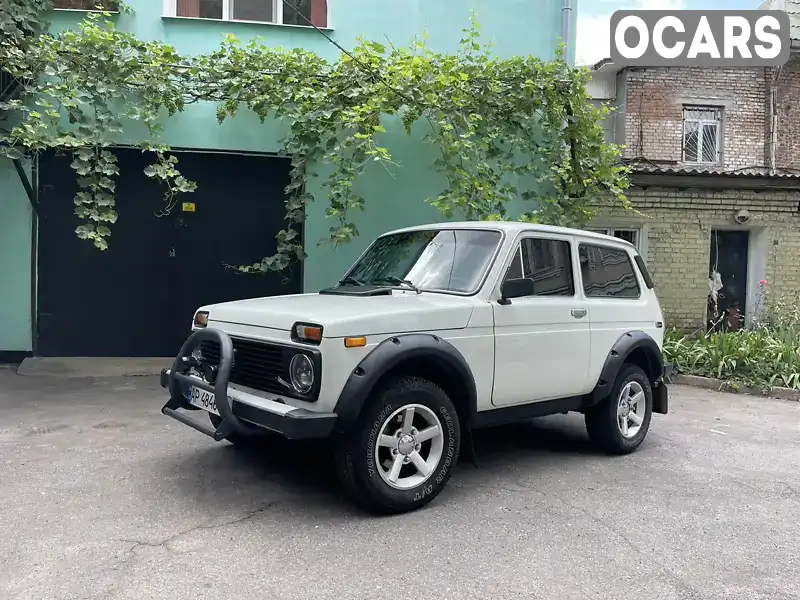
[503, 129]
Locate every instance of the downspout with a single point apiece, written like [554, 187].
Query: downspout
[566, 29]
[773, 122]
[35, 258]
[26, 184]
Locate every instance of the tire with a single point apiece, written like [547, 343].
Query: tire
[602, 423]
[365, 461]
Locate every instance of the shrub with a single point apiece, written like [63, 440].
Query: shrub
[765, 355]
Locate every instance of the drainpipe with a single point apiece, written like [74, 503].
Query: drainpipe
[566, 29]
[773, 122]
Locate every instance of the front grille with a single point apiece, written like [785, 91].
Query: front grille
[256, 365]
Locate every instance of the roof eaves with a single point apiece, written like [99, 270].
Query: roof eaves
[750, 173]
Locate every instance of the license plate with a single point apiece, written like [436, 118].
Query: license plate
[202, 399]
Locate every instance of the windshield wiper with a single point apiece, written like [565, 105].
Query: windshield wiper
[350, 281]
[397, 281]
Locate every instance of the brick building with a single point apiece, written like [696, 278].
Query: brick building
[716, 182]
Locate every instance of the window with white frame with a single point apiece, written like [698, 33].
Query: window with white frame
[281, 12]
[629, 235]
[702, 134]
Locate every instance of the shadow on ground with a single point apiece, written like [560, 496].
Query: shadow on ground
[223, 473]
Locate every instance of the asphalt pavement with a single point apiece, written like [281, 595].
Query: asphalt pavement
[102, 497]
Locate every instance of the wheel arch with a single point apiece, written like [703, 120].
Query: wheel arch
[419, 354]
[633, 347]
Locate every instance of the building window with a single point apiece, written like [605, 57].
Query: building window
[702, 128]
[263, 11]
[548, 263]
[629, 235]
[109, 5]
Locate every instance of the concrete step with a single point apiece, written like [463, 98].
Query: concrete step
[80, 367]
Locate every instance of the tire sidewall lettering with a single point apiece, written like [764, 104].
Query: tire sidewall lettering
[451, 443]
[426, 490]
[373, 434]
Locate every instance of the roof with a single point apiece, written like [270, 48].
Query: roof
[749, 172]
[600, 63]
[793, 10]
[510, 227]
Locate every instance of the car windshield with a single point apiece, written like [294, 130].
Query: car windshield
[436, 260]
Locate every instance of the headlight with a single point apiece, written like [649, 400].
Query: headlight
[301, 373]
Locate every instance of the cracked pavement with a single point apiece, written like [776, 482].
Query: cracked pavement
[103, 497]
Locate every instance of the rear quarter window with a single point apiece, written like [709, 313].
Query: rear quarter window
[607, 272]
[648, 280]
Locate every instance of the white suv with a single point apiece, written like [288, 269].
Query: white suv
[434, 331]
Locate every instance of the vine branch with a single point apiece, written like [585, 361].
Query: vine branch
[505, 130]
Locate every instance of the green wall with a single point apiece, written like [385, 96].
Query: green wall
[396, 200]
[16, 217]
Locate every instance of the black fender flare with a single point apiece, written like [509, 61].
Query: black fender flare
[618, 355]
[389, 354]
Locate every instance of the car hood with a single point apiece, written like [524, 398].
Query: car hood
[398, 312]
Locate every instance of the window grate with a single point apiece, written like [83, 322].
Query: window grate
[702, 126]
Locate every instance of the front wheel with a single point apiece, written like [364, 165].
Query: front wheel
[620, 422]
[403, 450]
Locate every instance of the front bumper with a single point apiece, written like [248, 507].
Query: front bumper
[241, 413]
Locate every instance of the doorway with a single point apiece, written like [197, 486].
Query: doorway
[727, 274]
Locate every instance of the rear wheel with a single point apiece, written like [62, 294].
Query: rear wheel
[620, 422]
[403, 450]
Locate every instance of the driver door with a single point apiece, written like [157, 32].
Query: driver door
[542, 342]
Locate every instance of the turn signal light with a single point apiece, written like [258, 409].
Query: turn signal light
[304, 332]
[201, 319]
[355, 342]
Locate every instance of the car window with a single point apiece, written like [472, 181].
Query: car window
[440, 260]
[515, 268]
[548, 263]
[607, 272]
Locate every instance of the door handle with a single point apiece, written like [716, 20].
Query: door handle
[578, 313]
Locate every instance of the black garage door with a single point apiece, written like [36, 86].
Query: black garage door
[137, 297]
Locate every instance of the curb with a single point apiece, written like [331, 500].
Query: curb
[718, 385]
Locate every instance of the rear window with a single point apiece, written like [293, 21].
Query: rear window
[607, 272]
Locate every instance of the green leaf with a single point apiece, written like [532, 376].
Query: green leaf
[496, 126]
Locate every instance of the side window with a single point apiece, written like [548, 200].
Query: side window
[548, 263]
[607, 272]
[515, 268]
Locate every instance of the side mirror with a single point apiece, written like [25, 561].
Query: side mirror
[516, 288]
